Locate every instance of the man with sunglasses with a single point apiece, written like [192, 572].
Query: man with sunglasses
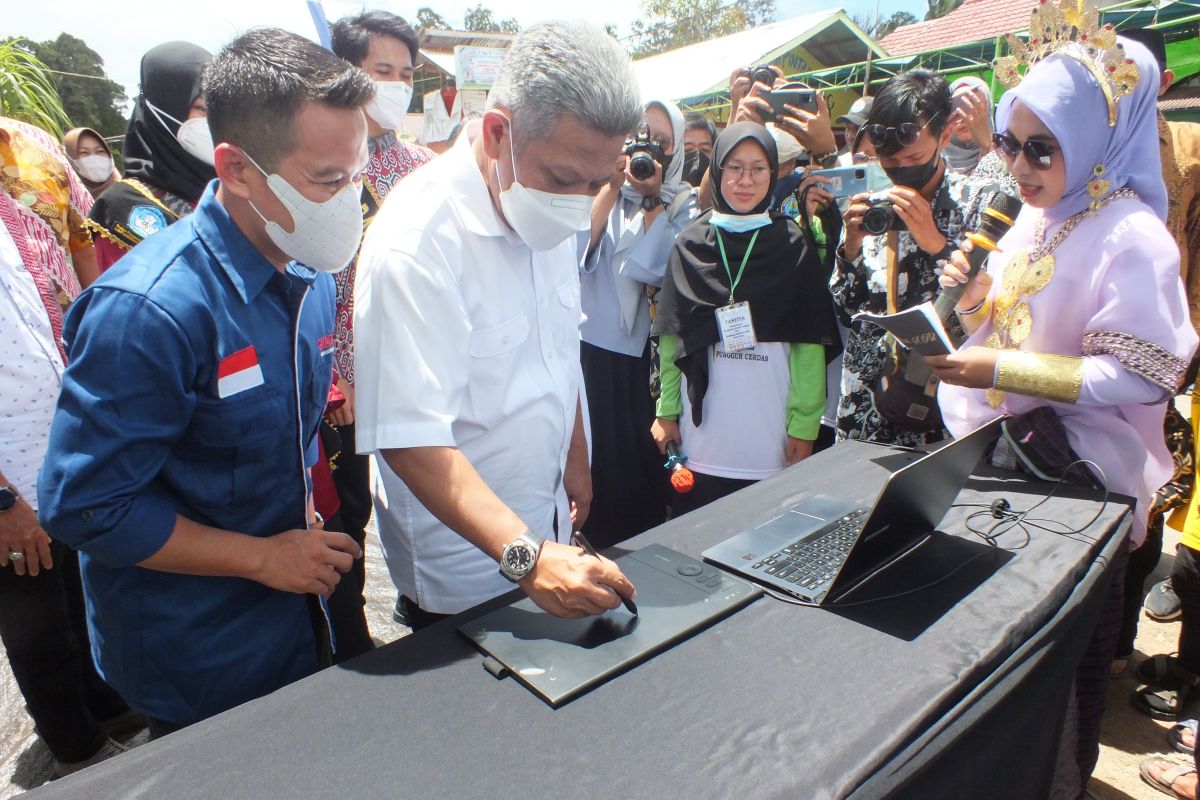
[908, 126]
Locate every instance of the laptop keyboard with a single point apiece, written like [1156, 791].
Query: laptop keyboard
[813, 561]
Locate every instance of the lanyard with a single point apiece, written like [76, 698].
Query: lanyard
[733, 282]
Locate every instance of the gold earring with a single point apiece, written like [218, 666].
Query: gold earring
[1097, 187]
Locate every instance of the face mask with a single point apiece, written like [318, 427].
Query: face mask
[96, 169]
[739, 223]
[326, 235]
[193, 136]
[543, 220]
[695, 164]
[390, 104]
[915, 177]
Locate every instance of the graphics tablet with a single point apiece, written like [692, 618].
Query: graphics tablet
[559, 659]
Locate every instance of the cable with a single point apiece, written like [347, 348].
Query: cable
[1011, 519]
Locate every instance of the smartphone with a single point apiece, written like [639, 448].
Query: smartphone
[845, 181]
[804, 99]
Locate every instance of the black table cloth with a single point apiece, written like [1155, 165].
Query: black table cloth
[956, 690]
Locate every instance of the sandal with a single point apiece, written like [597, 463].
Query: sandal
[1164, 702]
[1160, 670]
[1175, 735]
[1164, 782]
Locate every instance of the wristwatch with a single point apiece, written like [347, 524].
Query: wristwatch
[519, 557]
[8, 498]
[826, 161]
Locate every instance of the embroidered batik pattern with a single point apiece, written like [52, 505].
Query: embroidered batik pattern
[390, 161]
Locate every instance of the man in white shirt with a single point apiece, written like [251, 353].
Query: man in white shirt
[467, 316]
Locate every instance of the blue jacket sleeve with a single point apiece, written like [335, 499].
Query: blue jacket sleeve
[126, 400]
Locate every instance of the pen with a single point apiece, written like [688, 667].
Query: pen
[591, 551]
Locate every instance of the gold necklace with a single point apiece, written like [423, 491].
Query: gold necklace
[1029, 272]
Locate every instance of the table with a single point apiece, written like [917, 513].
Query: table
[955, 691]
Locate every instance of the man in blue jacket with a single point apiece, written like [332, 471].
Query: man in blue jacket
[199, 369]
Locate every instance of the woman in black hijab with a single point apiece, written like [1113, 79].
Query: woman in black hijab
[745, 324]
[168, 153]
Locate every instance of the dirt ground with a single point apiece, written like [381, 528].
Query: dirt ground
[1128, 735]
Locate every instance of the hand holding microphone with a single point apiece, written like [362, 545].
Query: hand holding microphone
[972, 289]
[964, 284]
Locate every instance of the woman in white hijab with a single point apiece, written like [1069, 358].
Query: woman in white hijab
[634, 224]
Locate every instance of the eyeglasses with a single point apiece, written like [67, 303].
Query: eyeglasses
[903, 134]
[757, 173]
[1037, 152]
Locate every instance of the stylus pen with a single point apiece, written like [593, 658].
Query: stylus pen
[591, 551]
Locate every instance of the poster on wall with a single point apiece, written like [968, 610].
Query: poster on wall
[477, 67]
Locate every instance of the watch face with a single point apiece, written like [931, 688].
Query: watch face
[8, 498]
[519, 558]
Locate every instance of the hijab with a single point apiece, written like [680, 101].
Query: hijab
[71, 145]
[672, 184]
[170, 81]
[963, 157]
[784, 281]
[1064, 95]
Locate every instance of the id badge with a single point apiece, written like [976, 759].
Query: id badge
[736, 327]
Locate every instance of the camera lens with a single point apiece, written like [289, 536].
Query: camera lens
[763, 74]
[878, 219]
[641, 165]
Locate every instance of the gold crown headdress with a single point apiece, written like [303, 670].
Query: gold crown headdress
[1069, 28]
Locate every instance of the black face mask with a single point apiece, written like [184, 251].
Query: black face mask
[916, 176]
[695, 164]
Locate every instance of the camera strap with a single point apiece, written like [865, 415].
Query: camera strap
[891, 249]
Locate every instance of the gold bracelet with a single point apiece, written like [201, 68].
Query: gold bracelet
[1042, 375]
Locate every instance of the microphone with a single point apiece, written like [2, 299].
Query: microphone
[682, 479]
[994, 222]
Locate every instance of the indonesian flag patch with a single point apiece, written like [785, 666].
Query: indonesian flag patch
[326, 344]
[238, 372]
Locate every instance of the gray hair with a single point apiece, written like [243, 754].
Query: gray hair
[562, 68]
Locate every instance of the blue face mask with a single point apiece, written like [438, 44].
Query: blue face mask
[739, 223]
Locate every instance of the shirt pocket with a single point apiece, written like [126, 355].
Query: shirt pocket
[495, 354]
[237, 445]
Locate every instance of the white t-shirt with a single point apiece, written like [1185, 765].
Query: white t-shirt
[30, 373]
[744, 432]
[467, 338]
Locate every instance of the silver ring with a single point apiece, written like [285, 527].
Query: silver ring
[13, 555]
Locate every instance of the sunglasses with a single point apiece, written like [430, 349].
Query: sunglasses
[1038, 152]
[903, 134]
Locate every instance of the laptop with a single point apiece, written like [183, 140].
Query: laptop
[823, 548]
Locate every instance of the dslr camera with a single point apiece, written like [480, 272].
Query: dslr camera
[643, 150]
[763, 74]
[881, 217]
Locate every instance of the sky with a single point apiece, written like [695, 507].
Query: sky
[212, 23]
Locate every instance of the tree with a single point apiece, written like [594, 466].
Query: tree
[27, 91]
[668, 24]
[890, 24]
[94, 101]
[940, 8]
[428, 19]
[480, 19]
[878, 28]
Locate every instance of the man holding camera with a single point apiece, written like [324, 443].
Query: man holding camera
[887, 262]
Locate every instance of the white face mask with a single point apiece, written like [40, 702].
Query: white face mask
[96, 168]
[543, 220]
[193, 136]
[390, 104]
[326, 235]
